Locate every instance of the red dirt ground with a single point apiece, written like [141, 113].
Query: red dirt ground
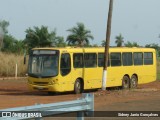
[15, 93]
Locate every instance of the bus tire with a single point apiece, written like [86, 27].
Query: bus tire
[52, 93]
[125, 82]
[78, 87]
[133, 82]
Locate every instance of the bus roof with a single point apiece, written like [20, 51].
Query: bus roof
[98, 49]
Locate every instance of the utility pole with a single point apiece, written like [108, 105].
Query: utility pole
[108, 34]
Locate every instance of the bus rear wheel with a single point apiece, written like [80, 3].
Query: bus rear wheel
[78, 87]
[125, 82]
[52, 93]
[133, 82]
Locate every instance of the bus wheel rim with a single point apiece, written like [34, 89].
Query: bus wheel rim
[133, 82]
[78, 87]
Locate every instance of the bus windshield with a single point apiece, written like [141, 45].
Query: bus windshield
[43, 63]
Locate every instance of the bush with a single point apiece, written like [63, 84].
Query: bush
[8, 65]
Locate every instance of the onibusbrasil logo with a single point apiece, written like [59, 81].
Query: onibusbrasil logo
[21, 114]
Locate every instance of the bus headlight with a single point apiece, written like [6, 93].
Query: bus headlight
[50, 83]
[53, 81]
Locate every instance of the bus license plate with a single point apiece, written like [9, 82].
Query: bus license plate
[40, 88]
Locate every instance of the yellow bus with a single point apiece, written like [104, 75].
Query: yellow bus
[78, 69]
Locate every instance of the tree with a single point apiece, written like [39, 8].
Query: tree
[103, 43]
[119, 40]
[4, 25]
[19, 46]
[60, 42]
[155, 46]
[94, 45]
[12, 45]
[40, 37]
[79, 35]
[3, 31]
[129, 44]
[8, 43]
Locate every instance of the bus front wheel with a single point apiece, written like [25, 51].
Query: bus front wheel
[77, 87]
[125, 82]
[133, 82]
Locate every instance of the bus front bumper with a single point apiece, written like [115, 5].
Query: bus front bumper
[47, 88]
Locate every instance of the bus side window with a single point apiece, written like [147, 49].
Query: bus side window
[148, 58]
[90, 60]
[127, 59]
[138, 58]
[115, 59]
[78, 60]
[65, 66]
[101, 60]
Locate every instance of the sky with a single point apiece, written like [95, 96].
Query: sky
[137, 20]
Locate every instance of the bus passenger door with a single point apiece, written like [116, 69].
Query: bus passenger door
[78, 65]
[65, 79]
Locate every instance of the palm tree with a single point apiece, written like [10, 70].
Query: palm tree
[60, 42]
[119, 40]
[19, 46]
[79, 35]
[103, 43]
[129, 44]
[40, 37]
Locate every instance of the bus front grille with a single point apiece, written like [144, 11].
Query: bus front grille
[36, 88]
[41, 83]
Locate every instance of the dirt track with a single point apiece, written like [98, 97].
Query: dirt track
[14, 93]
